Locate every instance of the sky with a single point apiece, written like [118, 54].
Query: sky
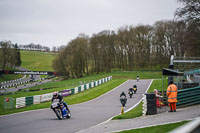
[57, 22]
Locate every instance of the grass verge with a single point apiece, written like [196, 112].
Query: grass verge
[9, 77]
[157, 129]
[136, 112]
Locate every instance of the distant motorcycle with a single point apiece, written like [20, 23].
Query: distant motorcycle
[135, 88]
[60, 110]
[137, 78]
[123, 100]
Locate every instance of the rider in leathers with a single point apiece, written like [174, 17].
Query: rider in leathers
[59, 98]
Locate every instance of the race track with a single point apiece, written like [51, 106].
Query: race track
[84, 115]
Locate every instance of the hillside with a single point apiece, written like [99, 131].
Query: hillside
[37, 61]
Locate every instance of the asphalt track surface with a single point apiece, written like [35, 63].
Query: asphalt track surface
[84, 115]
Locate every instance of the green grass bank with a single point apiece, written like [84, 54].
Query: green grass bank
[157, 129]
[37, 61]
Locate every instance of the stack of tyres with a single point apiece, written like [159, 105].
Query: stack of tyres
[151, 104]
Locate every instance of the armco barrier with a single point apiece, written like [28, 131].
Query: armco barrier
[92, 84]
[79, 89]
[46, 97]
[20, 102]
[65, 93]
[85, 87]
[29, 100]
[72, 91]
[76, 90]
[25, 101]
[188, 96]
[36, 99]
[82, 87]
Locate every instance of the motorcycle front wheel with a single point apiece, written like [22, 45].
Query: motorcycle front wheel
[58, 114]
[68, 115]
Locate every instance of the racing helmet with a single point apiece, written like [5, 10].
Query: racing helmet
[55, 94]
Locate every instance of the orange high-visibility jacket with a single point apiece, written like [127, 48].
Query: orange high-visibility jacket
[172, 93]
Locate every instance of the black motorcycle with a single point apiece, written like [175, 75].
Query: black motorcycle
[138, 78]
[123, 100]
[130, 93]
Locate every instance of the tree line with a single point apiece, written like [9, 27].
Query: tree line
[132, 47]
[34, 47]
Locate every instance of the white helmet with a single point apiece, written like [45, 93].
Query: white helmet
[55, 93]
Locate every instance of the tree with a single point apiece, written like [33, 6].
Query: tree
[54, 49]
[18, 55]
[190, 14]
[8, 55]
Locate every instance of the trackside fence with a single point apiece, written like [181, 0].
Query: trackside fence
[189, 96]
[26, 101]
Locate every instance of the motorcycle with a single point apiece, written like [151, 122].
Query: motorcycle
[130, 93]
[60, 110]
[138, 78]
[135, 88]
[123, 100]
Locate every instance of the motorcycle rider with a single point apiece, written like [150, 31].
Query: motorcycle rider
[130, 92]
[137, 77]
[123, 98]
[130, 89]
[59, 98]
[135, 88]
[122, 94]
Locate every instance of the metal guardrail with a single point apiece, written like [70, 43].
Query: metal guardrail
[189, 96]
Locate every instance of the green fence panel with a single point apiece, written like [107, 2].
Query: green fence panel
[90, 86]
[29, 100]
[79, 89]
[94, 83]
[72, 91]
[189, 96]
[85, 87]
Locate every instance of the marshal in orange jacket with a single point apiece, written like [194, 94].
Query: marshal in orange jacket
[172, 93]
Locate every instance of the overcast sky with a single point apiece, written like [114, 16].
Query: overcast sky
[56, 22]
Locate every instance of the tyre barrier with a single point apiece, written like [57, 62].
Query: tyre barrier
[149, 104]
[14, 84]
[26, 101]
